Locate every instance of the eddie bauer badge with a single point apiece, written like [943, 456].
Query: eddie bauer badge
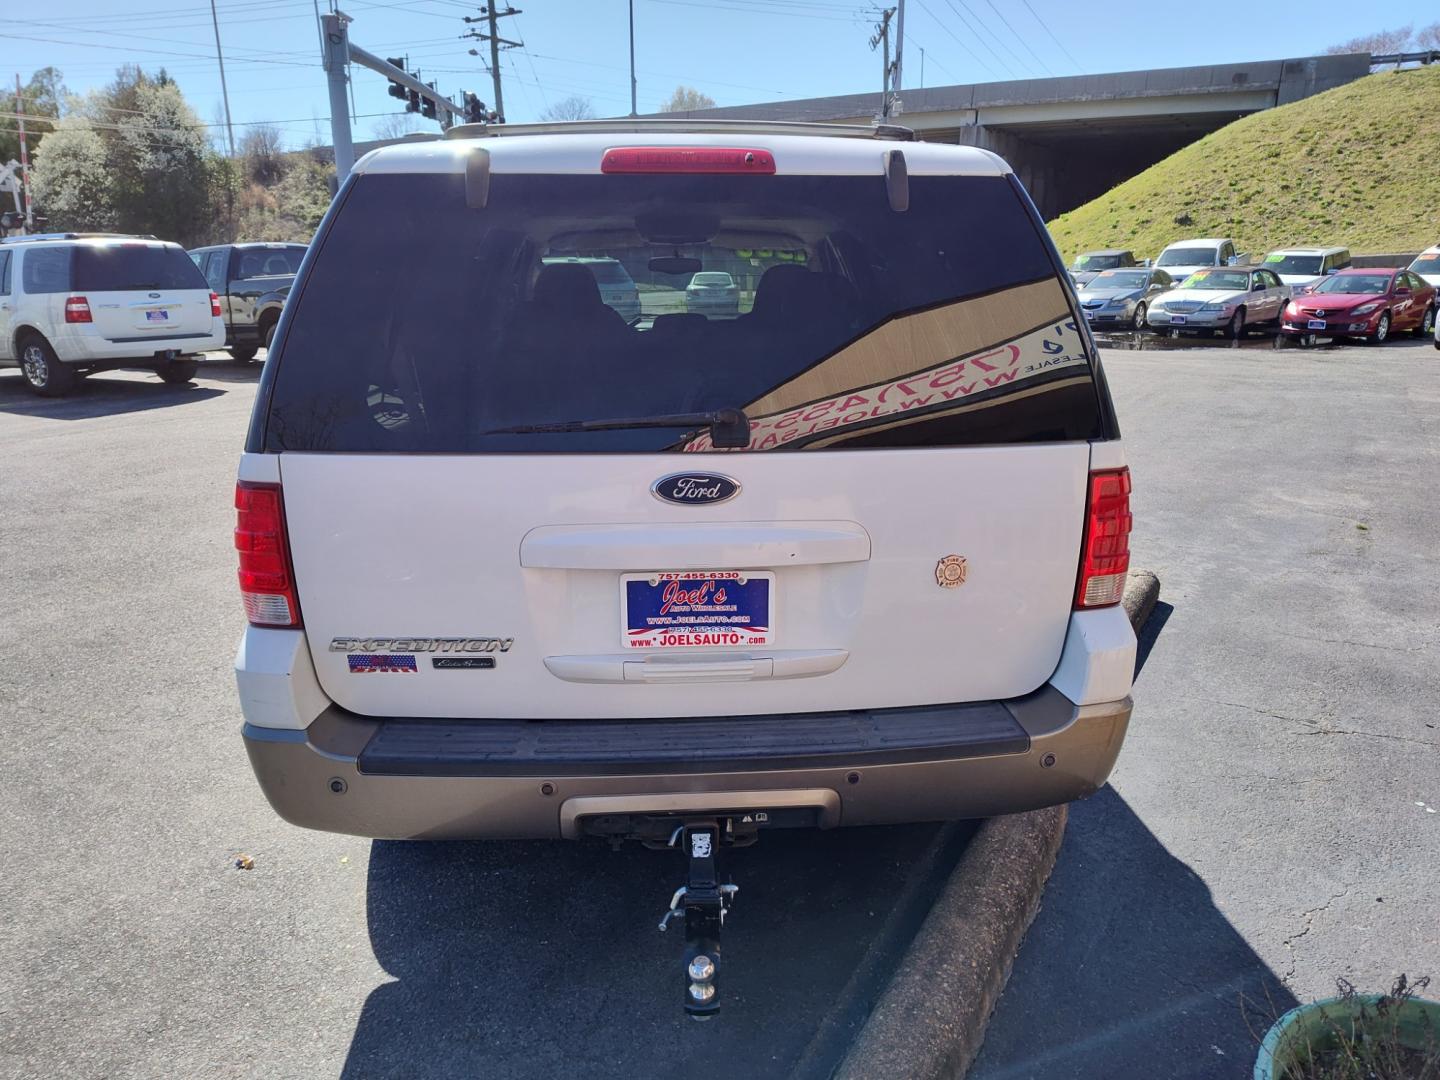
[950, 572]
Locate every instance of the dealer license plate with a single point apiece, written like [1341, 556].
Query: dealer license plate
[157, 315]
[676, 609]
[1315, 324]
[1089, 316]
[1177, 318]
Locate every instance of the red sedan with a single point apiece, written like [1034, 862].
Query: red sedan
[1369, 304]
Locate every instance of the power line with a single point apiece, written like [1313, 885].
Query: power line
[974, 55]
[979, 26]
[1001, 16]
[155, 52]
[1053, 38]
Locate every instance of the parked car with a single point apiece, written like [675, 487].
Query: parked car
[1231, 299]
[76, 303]
[242, 275]
[1304, 268]
[1122, 297]
[480, 604]
[1427, 265]
[1363, 303]
[1185, 257]
[712, 292]
[617, 287]
[1086, 266]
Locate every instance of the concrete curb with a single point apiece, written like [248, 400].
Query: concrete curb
[931, 1020]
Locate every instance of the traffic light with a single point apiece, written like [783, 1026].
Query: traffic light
[475, 112]
[413, 105]
[396, 90]
[427, 105]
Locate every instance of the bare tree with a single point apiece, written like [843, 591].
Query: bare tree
[395, 126]
[1382, 41]
[573, 107]
[260, 150]
[687, 99]
[1428, 37]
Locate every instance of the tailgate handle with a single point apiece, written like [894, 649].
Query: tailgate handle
[695, 546]
[741, 669]
[780, 664]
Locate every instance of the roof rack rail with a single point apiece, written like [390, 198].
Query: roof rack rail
[76, 236]
[650, 126]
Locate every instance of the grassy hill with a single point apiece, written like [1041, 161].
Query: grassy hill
[1358, 165]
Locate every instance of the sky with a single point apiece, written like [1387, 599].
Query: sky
[736, 51]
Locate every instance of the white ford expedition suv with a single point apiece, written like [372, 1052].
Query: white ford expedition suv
[76, 303]
[517, 564]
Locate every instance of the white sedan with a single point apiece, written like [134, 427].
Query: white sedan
[1232, 299]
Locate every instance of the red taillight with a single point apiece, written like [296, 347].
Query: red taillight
[214, 304]
[77, 309]
[687, 159]
[267, 583]
[1105, 559]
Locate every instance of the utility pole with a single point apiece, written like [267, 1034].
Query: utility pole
[24, 157]
[922, 66]
[224, 91]
[899, 46]
[491, 16]
[337, 55]
[881, 39]
[632, 59]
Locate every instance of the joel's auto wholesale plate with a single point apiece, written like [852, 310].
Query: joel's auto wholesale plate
[1177, 319]
[677, 609]
[1315, 324]
[157, 315]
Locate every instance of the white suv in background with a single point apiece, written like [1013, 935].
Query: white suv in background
[75, 303]
[1185, 257]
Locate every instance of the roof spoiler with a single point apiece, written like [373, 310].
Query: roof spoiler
[649, 126]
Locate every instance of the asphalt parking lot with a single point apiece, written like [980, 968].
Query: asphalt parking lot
[1269, 826]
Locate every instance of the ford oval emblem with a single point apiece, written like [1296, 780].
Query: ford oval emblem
[695, 487]
[154, 296]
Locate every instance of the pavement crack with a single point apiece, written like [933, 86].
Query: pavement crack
[1357, 644]
[1308, 922]
[1313, 721]
[1367, 735]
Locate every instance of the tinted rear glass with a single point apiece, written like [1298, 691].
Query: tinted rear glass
[1191, 256]
[428, 326]
[132, 267]
[267, 262]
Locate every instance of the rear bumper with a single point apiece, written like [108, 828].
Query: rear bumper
[512, 779]
[138, 351]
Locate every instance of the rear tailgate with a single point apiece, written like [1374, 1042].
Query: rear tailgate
[397, 551]
[140, 291]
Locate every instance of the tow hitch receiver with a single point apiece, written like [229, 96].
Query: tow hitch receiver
[703, 902]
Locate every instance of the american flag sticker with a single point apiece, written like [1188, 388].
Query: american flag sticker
[361, 663]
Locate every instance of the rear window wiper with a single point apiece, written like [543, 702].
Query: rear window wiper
[729, 428]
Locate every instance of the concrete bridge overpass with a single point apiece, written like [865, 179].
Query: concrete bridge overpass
[1073, 138]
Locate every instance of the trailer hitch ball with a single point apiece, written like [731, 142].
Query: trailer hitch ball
[702, 970]
[701, 993]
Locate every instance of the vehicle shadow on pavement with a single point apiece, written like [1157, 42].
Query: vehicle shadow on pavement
[1129, 970]
[1150, 633]
[540, 959]
[98, 396]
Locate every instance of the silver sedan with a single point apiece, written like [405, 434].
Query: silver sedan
[1120, 298]
[1231, 299]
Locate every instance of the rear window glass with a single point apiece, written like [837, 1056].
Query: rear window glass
[1190, 256]
[427, 326]
[267, 262]
[132, 267]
